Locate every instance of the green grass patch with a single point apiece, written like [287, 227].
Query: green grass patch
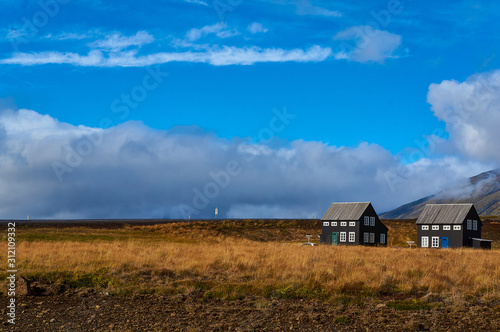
[410, 304]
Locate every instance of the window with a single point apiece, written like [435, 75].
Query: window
[457, 227]
[352, 223]
[326, 223]
[469, 224]
[352, 236]
[372, 237]
[343, 223]
[474, 225]
[342, 236]
[366, 237]
[435, 227]
[425, 242]
[334, 223]
[425, 227]
[367, 221]
[372, 221]
[435, 241]
[446, 227]
[382, 238]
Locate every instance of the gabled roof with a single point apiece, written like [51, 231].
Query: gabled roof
[444, 213]
[345, 211]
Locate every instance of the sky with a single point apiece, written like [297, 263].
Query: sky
[262, 109]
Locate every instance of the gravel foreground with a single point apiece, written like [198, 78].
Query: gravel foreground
[100, 312]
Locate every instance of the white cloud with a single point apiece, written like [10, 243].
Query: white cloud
[219, 29]
[217, 56]
[304, 7]
[118, 42]
[471, 110]
[102, 170]
[366, 44]
[198, 2]
[256, 27]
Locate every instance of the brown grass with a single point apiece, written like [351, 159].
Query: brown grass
[221, 262]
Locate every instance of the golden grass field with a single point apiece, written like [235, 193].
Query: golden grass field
[233, 259]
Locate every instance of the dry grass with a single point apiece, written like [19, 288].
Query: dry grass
[182, 258]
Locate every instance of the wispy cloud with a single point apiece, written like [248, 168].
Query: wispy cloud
[219, 29]
[366, 44]
[198, 2]
[217, 56]
[304, 7]
[256, 27]
[117, 41]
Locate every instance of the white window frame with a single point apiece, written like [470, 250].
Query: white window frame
[366, 237]
[334, 223]
[343, 223]
[367, 221]
[326, 223]
[435, 242]
[435, 227]
[372, 237]
[352, 223]
[424, 242]
[446, 227]
[372, 221]
[469, 224]
[352, 236]
[457, 227]
[382, 238]
[425, 227]
[342, 236]
[474, 225]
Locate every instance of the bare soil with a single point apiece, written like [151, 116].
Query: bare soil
[93, 310]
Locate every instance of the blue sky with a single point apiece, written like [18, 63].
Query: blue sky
[370, 75]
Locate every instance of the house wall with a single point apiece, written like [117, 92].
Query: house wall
[378, 229]
[455, 237]
[326, 234]
[468, 234]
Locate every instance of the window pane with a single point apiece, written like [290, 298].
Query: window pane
[425, 242]
[352, 236]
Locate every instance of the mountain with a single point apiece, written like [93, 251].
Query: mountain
[483, 190]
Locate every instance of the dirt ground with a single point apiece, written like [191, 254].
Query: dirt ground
[97, 311]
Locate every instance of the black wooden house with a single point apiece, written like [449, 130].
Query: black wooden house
[450, 226]
[352, 224]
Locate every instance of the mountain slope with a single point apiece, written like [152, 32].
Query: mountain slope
[483, 190]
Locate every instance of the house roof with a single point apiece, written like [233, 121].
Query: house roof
[345, 211]
[444, 213]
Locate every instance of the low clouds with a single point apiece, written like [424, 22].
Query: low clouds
[471, 110]
[366, 44]
[51, 169]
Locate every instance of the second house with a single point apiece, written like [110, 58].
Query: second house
[352, 224]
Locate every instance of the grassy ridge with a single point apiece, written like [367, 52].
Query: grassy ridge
[232, 259]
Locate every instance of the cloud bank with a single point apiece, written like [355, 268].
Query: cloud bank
[50, 169]
[471, 110]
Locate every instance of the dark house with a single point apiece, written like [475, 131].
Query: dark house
[352, 224]
[450, 226]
